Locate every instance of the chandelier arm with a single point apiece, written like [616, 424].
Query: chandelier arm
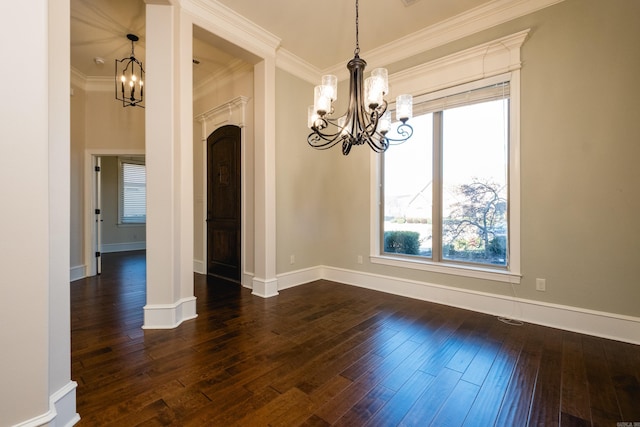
[319, 139]
[315, 140]
[404, 130]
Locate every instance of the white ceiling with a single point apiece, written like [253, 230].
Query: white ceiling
[321, 33]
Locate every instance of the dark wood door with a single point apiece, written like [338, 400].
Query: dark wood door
[223, 203]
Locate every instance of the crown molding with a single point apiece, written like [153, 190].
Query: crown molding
[481, 18]
[475, 20]
[232, 26]
[293, 64]
[78, 79]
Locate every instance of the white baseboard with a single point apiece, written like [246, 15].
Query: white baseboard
[295, 278]
[575, 319]
[169, 316]
[78, 272]
[62, 409]
[247, 280]
[265, 288]
[123, 247]
[199, 266]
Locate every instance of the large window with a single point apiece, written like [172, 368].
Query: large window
[445, 195]
[448, 200]
[132, 191]
[446, 191]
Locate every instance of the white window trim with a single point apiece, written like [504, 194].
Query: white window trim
[483, 62]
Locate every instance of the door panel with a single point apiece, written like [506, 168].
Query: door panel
[223, 203]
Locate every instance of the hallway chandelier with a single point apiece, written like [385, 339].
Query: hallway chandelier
[367, 119]
[129, 79]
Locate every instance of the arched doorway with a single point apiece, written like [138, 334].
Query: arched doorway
[224, 209]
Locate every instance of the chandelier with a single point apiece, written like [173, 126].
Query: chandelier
[130, 79]
[367, 119]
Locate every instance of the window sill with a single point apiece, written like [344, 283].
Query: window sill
[455, 270]
[131, 224]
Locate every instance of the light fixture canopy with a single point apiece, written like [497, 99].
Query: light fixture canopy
[367, 119]
[129, 78]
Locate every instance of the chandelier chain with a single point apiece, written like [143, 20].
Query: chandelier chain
[357, 49]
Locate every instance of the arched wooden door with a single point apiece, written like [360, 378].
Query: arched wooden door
[223, 203]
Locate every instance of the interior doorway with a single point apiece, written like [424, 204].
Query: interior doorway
[116, 219]
[224, 208]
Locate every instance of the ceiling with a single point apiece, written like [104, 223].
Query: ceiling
[320, 33]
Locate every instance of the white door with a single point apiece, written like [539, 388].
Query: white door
[98, 214]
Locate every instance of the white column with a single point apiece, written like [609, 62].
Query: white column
[62, 391]
[265, 283]
[169, 161]
[34, 220]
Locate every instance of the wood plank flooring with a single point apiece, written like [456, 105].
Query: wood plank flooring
[325, 354]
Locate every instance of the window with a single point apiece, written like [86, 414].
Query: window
[132, 191]
[448, 197]
[448, 200]
[445, 191]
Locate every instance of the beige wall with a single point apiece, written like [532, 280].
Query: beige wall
[579, 141]
[309, 215]
[115, 236]
[109, 125]
[99, 125]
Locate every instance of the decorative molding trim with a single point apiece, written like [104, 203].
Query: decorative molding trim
[591, 322]
[232, 26]
[293, 64]
[78, 272]
[169, 316]
[231, 112]
[123, 247]
[78, 79]
[100, 84]
[91, 83]
[468, 23]
[62, 409]
[486, 60]
[265, 288]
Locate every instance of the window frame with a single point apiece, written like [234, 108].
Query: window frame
[483, 65]
[122, 221]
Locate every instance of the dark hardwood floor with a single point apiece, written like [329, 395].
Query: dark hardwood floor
[329, 354]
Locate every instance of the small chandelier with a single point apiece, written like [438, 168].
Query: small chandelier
[130, 79]
[367, 119]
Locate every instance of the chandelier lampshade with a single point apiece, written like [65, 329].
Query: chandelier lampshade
[129, 78]
[367, 119]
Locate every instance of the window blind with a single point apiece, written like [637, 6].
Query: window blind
[133, 194]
